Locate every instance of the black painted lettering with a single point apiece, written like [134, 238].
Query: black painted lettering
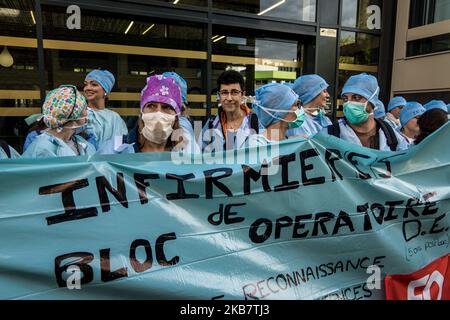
[351, 156]
[106, 273]
[70, 211]
[210, 181]
[141, 184]
[135, 263]
[120, 193]
[283, 222]
[343, 220]
[304, 155]
[250, 174]
[299, 225]
[159, 250]
[392, 206]
[228, 214]
[365, 209]
[434, 229]
[181, 192]
[376, 207]
[253, 231]
[330, 160]
[321, 219]
[285, 183]
[82, 262]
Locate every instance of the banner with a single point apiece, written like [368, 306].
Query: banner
[309, 219]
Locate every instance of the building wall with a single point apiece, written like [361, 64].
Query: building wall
[423, 77]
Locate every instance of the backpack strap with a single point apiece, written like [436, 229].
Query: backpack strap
[334, 129]
[5, 148]
[254, 122]
[391, 137]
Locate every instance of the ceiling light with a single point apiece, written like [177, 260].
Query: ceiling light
[32, 17]
[272, 7]
[129, 27]
[148, 29]
[218, 39]
[6, 59]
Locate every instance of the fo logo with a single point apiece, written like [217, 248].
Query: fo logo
[427, 288]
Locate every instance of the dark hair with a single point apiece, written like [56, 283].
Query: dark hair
[38, 126]
[231, 77]
[430, 122]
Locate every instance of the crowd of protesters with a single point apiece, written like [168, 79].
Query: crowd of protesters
[75, 124]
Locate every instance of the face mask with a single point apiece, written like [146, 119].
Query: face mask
[79, 129]
[300, 113]
[356, 112]
[158, 126]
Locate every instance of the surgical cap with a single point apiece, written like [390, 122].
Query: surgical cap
[163, 90]
[62, 105]
[273, 96]
[103, 77]
[379, 111]
[308, 87]
[410, 111]
[396, 102]
[364, 85]
[436, 104]
[180, 82]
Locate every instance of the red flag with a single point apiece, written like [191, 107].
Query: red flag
[429, 283]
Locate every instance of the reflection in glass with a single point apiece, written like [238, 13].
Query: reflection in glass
[202, 3]
[17, 19]
[261, 59]
[359, 48]
[302, 10]
[355, 13]
[109, 28]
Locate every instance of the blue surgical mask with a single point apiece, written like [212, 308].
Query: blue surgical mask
[81, 129]
[300, 114]
[356, 112]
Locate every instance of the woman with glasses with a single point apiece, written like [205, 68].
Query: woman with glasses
[234, 122]
[65, 115]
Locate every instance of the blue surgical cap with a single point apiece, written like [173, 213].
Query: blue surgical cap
[396, 102]
[364, 85]
[180, 82]
[436, 104]
[448, 108]
[103, 77]
[308, 87]
[274, 96]
[410, 111]
[380, 110]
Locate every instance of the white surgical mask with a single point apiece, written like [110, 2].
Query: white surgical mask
[158, 126]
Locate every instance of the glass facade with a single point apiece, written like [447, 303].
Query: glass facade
[358, 13]
[303, 10]
[359, 50]
[428, 45]
[423, 12]
[259, 56]
[267, 41]
[19, 76]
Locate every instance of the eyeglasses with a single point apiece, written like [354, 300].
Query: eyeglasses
[234, 93]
